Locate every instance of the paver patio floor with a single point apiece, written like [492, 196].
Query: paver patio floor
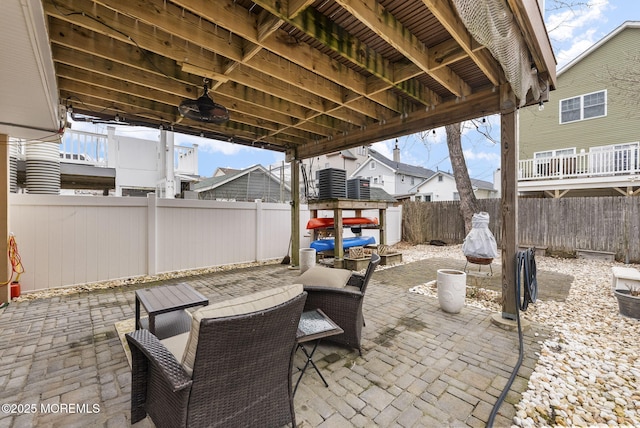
[420, 366]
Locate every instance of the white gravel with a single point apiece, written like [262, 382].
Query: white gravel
[588, 373]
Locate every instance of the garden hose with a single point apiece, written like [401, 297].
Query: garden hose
[526, 269]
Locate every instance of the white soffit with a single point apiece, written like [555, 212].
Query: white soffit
[28, 90]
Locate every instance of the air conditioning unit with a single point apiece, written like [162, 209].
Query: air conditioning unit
[358, 188]
[332, 183]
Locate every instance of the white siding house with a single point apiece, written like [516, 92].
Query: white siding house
[405, 181]
[586, 140]
[395, 177]
[442, 187]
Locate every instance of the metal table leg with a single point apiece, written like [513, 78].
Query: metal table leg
[309, 356]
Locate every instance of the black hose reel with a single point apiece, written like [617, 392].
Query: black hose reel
[526, 276]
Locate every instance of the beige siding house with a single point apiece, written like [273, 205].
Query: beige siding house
[585, 140]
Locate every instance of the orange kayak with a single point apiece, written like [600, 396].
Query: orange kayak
[325, 222]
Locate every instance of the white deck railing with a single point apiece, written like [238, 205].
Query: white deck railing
[84, 148]
[609, 162]
[186, 159]
[92, 149]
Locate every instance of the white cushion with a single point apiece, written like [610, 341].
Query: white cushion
[325, 277]
[176, 345]
[238, 306]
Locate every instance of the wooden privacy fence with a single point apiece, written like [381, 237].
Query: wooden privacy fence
[563, 225]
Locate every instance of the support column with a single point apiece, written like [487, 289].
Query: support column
[295, 212]
[509, 204]
[152, 233]
[5, 266]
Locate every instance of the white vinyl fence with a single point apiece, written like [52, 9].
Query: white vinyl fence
[71, 240]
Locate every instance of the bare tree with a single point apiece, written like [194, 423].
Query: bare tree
[468, 199]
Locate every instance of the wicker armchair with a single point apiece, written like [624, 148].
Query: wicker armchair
[344, 305]
[241, 373]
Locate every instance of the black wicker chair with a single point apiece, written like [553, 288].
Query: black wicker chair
[344, 305]
[241, 373]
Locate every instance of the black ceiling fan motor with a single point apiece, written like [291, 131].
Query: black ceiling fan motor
[204, 109]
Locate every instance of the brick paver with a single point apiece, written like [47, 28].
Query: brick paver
[62, 364]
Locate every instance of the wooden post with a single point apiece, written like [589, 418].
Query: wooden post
[338, 250]
[382, 225]
[509, 208]
[295, 212]
[5, 185]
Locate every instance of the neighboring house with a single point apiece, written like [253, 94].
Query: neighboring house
[410, 182]
[378, 194]
[586, 140]
[395, 177]
[248, 184]
[106, 164]
[442, 187]
[349, 160]
[219, 172]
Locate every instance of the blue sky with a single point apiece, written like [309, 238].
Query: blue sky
[571, 31]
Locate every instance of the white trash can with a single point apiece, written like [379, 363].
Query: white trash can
[307, 259]
[452, 289]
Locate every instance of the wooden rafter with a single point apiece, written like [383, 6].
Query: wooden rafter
[340, 41]
[370, 13]
[296, 75]
[450, 20]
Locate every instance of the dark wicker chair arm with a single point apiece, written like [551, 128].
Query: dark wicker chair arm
[157, 354]
[332, 290]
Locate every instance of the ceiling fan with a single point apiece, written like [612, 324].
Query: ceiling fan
[204, 109]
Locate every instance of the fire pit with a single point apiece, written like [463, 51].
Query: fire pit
[479, 261]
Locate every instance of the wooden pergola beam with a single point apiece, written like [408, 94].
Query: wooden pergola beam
[340, 41]
[463, 38]
[374, 16]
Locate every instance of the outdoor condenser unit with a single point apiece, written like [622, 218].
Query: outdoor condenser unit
[332, 183]
[358, 188]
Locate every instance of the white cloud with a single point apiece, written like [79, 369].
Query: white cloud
[572, 30]
[564, 56]
[470, 155]
[384, 148]
[222, 147]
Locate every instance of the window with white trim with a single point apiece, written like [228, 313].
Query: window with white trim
[587, 106]
[372, 165]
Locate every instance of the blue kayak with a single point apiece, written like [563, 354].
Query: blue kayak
[328, 244]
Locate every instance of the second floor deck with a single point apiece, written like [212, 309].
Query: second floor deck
[614, 167]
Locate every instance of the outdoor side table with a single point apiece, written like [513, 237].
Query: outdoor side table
[165, 305]
[314, 325]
